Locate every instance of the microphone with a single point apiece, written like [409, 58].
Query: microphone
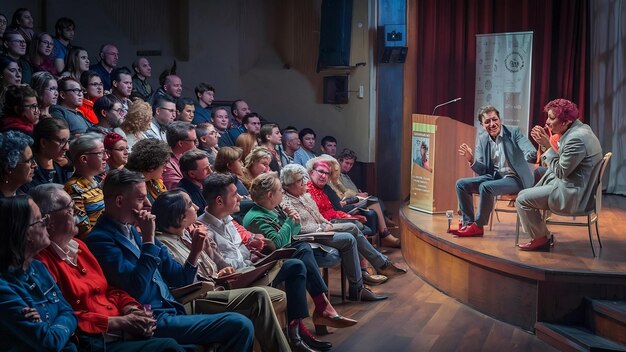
[446, 103]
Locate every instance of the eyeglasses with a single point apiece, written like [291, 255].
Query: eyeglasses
[45, 221]
[321, 172]
[32, 107]
[96, 84]
[62, 142]
[99, 154]
[117, 110]
[123, 149]
[172, 111]
[46, 43]
[76, 91]
[21, 42]
[69, 206]
[30, 161]
[52, 89]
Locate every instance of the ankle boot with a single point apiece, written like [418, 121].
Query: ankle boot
[296, 341]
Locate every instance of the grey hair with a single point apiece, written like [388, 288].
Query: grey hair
[83, 144]
[261, 185]
[12, 146]
[291, 173]
[47, 196]
[177, 131]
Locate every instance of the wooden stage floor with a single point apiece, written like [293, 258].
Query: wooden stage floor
[490, 273]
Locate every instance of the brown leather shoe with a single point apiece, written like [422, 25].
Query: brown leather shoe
[390, 241]
[374, 279]
[391, 270]
[338, 321]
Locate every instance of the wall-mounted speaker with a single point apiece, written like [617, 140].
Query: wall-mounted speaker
[335, 34]
[393, 43]
[336, 90]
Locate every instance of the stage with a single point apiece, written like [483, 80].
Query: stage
[491, 275]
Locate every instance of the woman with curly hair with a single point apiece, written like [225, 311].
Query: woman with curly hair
[149, 157]
[17, 164]
[137, 122]
[257, 162]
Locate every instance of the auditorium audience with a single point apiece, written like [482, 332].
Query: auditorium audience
[221, 121]
[70, 98]
[15, 47]
[17, 162]
[10, 75]
[247, 142]
[228, 160]
[207, 140]
[51, 142]
[92, 91]
[121, 88]
[47, 92]
[141, 87]
[109, 57]
[117, 150]
[107, 316]
[251, 123]
[39, 54]
[76, 62]
[143, 267]
[291, 143]
[33, 314]
[89, 158]
[195, 167]
[566, 187]
[164, 113]
[171, 86]
[501, 162]
[238, 109]
[307, 144]
[3, 27]
[149, 157]
[181, 137]
[270, 138]
[109, 114]
[136, 123]
[20, 111]
[185, 109]
[257, 163]
[205, 94]
[23, 23]
[64, 34]
[329, 146]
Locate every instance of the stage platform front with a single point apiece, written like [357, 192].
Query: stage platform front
[491, 275]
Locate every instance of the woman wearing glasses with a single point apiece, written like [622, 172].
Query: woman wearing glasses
[70, 98]
[39, 53]
[117, 149]
[47, 92]
[51, 142]
[33, 313]
[17, 165]
[92, 91]
[21, 110]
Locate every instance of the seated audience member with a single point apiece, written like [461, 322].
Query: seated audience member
[51, 142]
[195, 167]
[501, 163]
[89, 159]
[149, 158]
[321, 171]
[64, 34]
[141, 87]
[23, 23]
[10, 75]
[270, 138]
[143, 267]
[185, 110]
[350, 245]
[257, 162]
[109, 113]
[17, 163]
[171, 86]
[207, 140]
[307, 143]
[20, 111]
[251, 123]
[279, 225]
[205, 94]
[39, 54]
[164, 115]
[47, 92]
[3, 27]
[421, 158]
[117, 150]
[33, 314]
[92, 91]
[107, 316]
[221, 121]
[228, 160]
[181, 137]
[109, 57]
[15, 47]
[175, 213]
[76, 63]
[328, 146]
[238, 109]
[223, 201]
[121, 88]
[247, 142]
[291, 143]
[566, 187]
[71, 97]
[136, 123]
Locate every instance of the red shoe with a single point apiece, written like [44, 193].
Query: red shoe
[471, 231]
[456, 232]
[536, 244]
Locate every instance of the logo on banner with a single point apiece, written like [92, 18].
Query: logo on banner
[514, 62]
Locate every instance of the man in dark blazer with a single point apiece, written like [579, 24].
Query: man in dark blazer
[501, 163]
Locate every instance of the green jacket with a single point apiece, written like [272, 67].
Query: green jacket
[267, 223]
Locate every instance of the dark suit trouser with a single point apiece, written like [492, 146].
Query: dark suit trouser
[293, 274]
[314, 283]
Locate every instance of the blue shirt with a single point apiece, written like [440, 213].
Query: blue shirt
[202, 115]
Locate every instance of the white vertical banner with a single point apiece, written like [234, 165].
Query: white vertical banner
[503, 67]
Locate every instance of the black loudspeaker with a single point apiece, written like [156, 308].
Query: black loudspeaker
[336, 90]
[335, 34]
[393, 40]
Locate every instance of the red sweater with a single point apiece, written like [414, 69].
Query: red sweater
[86, 289]
[324, 204]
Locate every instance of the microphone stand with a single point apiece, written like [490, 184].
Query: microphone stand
[446, 103]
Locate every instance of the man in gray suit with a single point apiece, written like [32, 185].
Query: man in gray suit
[567, 186]
[501, 163]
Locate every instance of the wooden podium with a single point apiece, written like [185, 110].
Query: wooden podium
[435, 163]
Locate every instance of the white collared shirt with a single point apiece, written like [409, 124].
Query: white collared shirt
[69, 256]
[228, 240]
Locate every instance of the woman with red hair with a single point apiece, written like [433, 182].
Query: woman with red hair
[117, 148]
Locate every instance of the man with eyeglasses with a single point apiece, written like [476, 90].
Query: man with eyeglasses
[109, 113]
[71, 97]
[15, 48]
[109, 56]
[89, 158]
[181, 137]
[164, 115]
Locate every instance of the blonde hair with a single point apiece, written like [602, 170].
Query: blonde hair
[262, 185]
[138, 117]
[257, 154]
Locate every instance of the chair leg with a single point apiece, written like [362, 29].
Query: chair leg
[590, 235]
[598, 231]
[517, 224]
[343, 285]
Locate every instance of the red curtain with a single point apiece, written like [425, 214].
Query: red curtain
[446, 50]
